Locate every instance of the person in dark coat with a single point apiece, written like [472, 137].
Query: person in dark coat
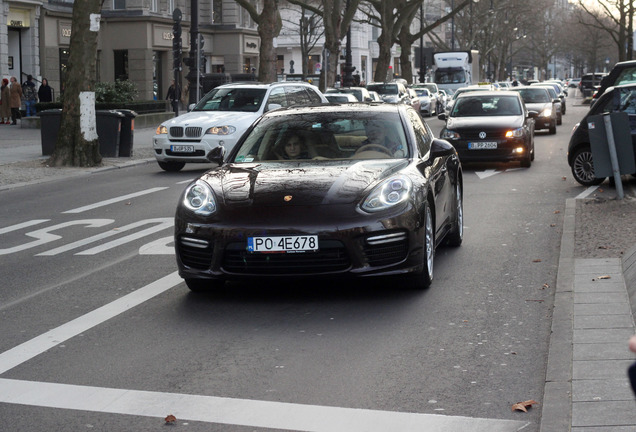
[45, 93]
[174, 94]
[30, 96]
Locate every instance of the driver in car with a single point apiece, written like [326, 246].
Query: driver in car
[377, 134]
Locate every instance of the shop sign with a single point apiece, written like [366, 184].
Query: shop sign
[64, 34]
[19, 18]
[251, 45]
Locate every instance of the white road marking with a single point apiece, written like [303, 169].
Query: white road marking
[161, 224]
[115, 200]
[22, 225]
[26, 351]
[162, 246]
[211, 409]
[587, 192]
[488, 173]
[253, 413]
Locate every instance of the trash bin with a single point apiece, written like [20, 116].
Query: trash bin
[127, 134]
[50, 121]
[108, 130]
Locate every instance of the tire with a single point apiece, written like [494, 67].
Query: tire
[456, 234]
[553, 129]
[171, 166]
[204, 285]
[526, 162]
[423, 279]
[583, 167]
[560, 120]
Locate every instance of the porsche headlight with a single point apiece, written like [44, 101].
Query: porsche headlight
[547, 112]
[199, 198]
[161, 130]
[516, 133]
[449, 134]
[221, 130]
[387, 194]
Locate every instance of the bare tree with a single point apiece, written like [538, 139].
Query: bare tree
[309, 29]
[336, 15]
[616, 17]
[77, 143]
[269, 25]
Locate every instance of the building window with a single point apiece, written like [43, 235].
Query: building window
[217, 11]
[119, 4]
[121, 64]
[154, 7]
[280, 64]
[170, 6]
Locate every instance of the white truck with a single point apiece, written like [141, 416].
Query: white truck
[455, 69]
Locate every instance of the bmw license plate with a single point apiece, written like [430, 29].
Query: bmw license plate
[287, 244]
[484, 145]
[182, 148]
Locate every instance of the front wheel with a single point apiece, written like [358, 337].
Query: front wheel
[424, 278]
[171, 166]
[456, 234]
[583, 167]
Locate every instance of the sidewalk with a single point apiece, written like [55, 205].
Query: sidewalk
[587, 389]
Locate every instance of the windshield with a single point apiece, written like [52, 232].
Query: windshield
[384, 89]
[486, 106]
[450, 76]
[325, 136]
[534, 95]
[232, 99]
[422, 92]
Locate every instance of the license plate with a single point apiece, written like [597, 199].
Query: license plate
[290, 244]
[182, 148]
[484, 145]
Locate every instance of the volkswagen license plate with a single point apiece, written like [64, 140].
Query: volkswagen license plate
[484, 145]
[292, 244]
[182, 148]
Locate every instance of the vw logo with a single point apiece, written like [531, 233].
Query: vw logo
[482, 135]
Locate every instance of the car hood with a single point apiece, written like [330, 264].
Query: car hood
[489, 122]
[301, 183]
[213, 118]
[538, 107]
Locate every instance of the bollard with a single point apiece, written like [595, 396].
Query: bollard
[613, 157]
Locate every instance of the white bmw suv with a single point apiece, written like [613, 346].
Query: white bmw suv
[221, 117]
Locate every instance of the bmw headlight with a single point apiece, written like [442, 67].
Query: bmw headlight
[546, 112]
[221, 130]
[199, 198]
[516, 133]
[387, 194]
[161, 130]
[449, 134]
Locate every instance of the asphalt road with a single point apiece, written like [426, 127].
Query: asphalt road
[98, 333]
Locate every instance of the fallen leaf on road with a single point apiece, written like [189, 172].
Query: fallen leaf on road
[170, 419]
[564, 178]
[553, 225]
[523, 406]
[545, 285]
[557, 211]
[604, 277]
[536, 260]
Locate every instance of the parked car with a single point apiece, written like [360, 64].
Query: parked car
[590, 83]
[391, 92]
[434, 89]
[427, 101]
[538, 99]
[341, 97]
[574, 82]
[221, 117]
[415, 100]
[371, 194]
[615, 99]
[490, 126]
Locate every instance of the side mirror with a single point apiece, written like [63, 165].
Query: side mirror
[368, 99]
[441, 148]
[441, 116]
[273, 106]
[191, 107]
[533, 114]
[557, 100]
[216, 155]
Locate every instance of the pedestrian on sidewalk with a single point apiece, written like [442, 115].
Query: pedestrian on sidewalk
[45, 93]
[30, 95]
[174, 95]
[15, 100]
[5, 102]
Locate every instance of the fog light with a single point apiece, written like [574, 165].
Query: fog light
[519, 150]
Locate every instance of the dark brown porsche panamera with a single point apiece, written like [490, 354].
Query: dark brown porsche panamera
[369, 192]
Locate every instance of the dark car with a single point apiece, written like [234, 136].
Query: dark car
[490, 126]
[371, 192]
[590, 83]
[557, 103]
[538, 99]
[391, 92]
[615, 99]
[622, 73]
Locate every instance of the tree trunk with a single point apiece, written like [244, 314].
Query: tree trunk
[269, 26]
[77, 143]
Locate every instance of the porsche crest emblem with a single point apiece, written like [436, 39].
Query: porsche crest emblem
[287, 198]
